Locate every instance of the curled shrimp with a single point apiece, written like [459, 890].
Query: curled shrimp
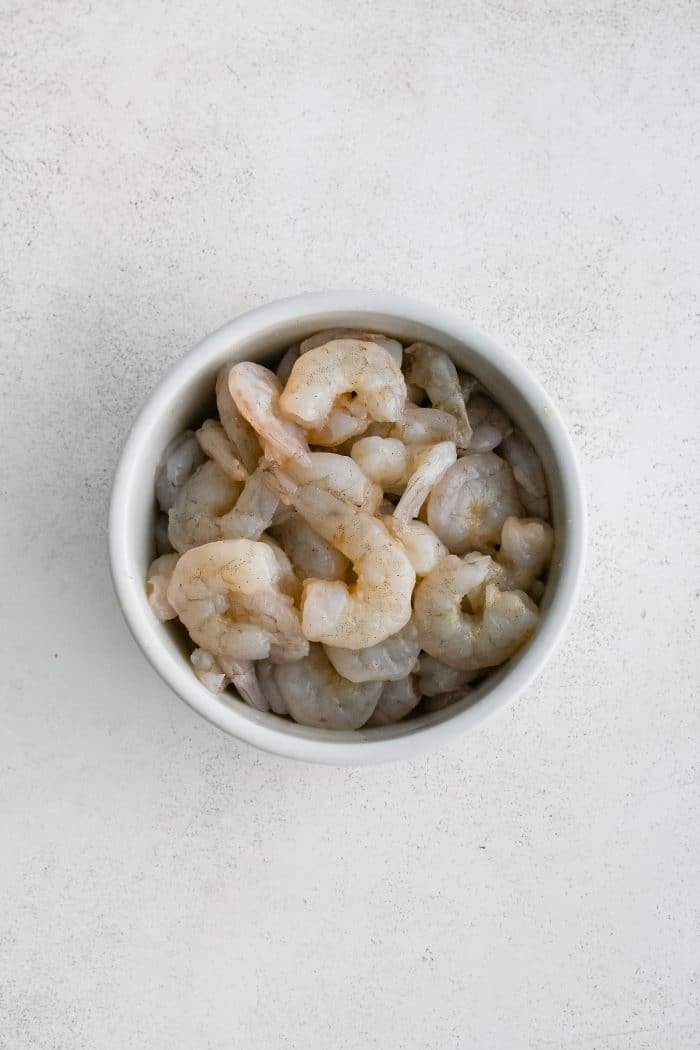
[228, 596]
[215, 443]
[216, 675]
[254, 510]
[316, 695]
[389, 661]
[378, 604]
[468, 507]
[397, 700]
[392, 346]
[429, 466]
[528, 474]
[386, 461]
[200, 506]
[240, 433]
[433, 370]
[339, 475]
[490, 425]
[256, 393]
[324, 380]
[157, 580]
[500, 624]
[436, 678]
[310, 554]
[178, 463]
[424, 426]
[423, 547]
[269, 688]
[208, 671]
[525, 552]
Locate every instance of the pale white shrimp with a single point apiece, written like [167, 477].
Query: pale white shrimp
[490, 425]
[157, 580]
[378, 604]
[432, 369]
[178, 463]
[424, 426]
[435, 678]
[525, 552]
[429, 466]
[389, 661]
[200, 504]
[254, 510]
[270, 690]
[423, 547]
[470, 641]
[392, 346]
[228, 596]
[528, 473]
[289, 582]
[240, 433]
[215, 443]
[386, 461]
[216, 675]
[256, 392]
[339, 475]
[284, 368]
[317, 695]
[208, 671]
[337, 370]
[468, 506]
[310, 554]
[398, 699]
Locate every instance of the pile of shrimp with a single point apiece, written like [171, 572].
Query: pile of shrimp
[360, 535]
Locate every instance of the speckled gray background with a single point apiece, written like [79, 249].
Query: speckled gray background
[163, 168]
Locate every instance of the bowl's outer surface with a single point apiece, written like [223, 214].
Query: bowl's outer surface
[185, 395]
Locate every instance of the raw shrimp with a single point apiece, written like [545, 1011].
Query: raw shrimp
[429, 466]
[240, 433]
[469, 641]
[423, 547]
[468, 506]
[208, 671]
[254, 510]
[289, 582]
[337, 370]
[340, 476]
[435, 678]
[284, 368]
[525, 552]
[228, 596]
[389, 661]
[270, 689]
[489, 423]
[433, 370]
[398, 699]
[179, 461]
[424, 426]
[528, 473]
[256, 392]
[310, 554]
[386, 461]
[392, 346]
[378, 604]
[196, 515]
[215, 443]
[157, 580]
[317, 695]
[217, 674]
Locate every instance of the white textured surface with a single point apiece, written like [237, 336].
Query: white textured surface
[165, 167]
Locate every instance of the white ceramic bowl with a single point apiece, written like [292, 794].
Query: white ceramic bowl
[181, 399]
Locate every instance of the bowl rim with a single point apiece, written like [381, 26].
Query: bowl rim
[324, 745]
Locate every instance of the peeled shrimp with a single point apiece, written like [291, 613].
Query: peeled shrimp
[254, 510]
[228, 596]
[200, 504]
[217, 674]
[239, 431]
[378, 604]
[433, 370]
[269, 688]
[392, 346]
[429, 466]
[340, 476]
[423, 547]
[289, 582]
[435, 677]
[489, 423]
[424, 426]
[256, 393]
[386, 461]
[310, 554]
[468, 507]
[528, 473]
[157, 580]
[398, 699]
[525, 552]
[337, 370]
[317, 695]
[469, 641]
[179, 461]
[215, 443]
[208, 671]
[389, 661]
